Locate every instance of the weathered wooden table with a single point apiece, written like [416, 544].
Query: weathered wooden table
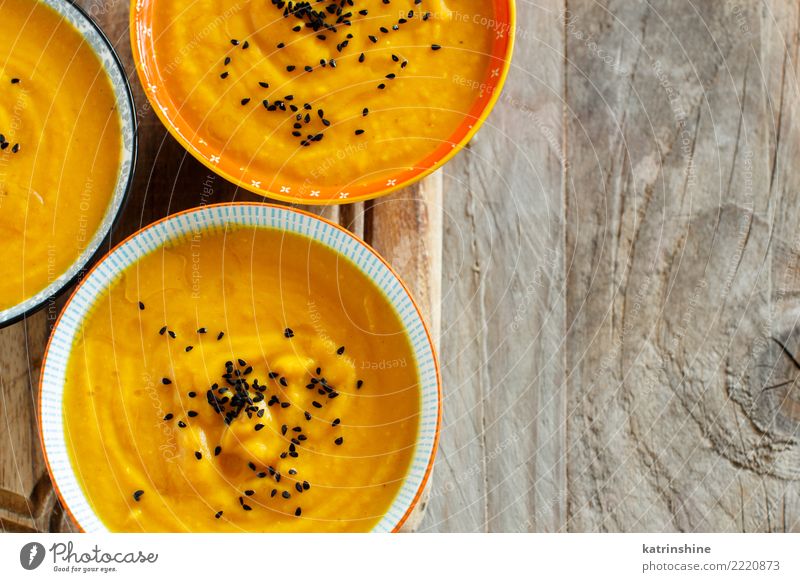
[616, 259]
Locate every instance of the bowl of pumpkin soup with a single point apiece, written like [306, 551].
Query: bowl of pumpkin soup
[240, 368]
[323, 102]
[67, 148]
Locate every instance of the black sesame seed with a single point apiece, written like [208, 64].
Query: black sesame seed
[286, 495]
[172, 334]
[316, 404]
[221, 334]
[359, 131]
[192, 394]
[181, 424]
[288, 332]
[224, 75]
[169, 416]
[249, 492]
[285, 404]
[198, 455]
[14, 81]
[162, 331]
[189, 348]
[436, 47]
[359, 384]
[340, 351]
[137, 495]
[166, 381]
[298, 511]
[191, 414]
[246, 507]
[339, 441]
[141, 305]
[307, 415]
[245, 101]
[217, 450]
[336, 422]
[258, 427]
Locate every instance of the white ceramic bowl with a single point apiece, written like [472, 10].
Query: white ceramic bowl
[216, 218]
[127, 115]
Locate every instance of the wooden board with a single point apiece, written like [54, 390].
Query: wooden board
[615, 266]
[501, 464]
[682, 220]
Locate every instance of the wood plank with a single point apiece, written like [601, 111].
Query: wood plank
[25, 493]
[684, 268]
[501, 464]
[406, 228]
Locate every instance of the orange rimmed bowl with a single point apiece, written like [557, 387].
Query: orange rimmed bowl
[238, 169]
[219, 218]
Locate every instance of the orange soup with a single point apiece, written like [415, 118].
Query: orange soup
[242, 381]
[60, 147]
[317, 96]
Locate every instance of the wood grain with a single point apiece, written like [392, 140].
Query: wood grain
[418, 260]
[501, 464]
[682, 218]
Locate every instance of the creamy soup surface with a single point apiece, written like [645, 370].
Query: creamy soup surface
[323, 97]
[60, 147]
[249, 380]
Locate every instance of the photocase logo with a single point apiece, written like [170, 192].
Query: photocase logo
[31, 555]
